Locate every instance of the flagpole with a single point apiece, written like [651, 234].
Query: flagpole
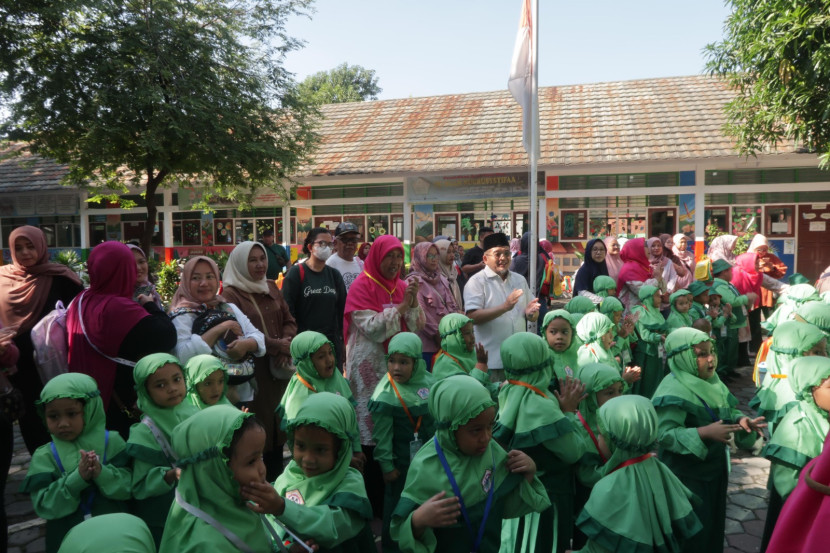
[533, 254]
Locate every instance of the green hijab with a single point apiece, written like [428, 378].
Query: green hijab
[165, 418]
[817, 314]
[789, 302]
[590, 330]
[415, 392]
[82, 387]
[602, 284]
[676, 318]
[198, 368]
[206, 482]
[566, 363]
[610, 305]
[650, 316]
[580, 305]
[303, 346]
[643, 506]
[525, 418]
[113, 532]
[825, 296]
[453, 357]
[596, 377]
[341, 486]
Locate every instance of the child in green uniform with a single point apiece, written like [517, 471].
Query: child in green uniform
[799, 436]
[816, 313]
[530, 420]
[220, 451]
[722, 271]
[161, 390]
[651, 332]
[319, 495]
[596, 332]
[638, 505]
[83, 471]
[624, 334]
[696, 416]
[207, 381]
[721, 317]
[559, 332]
[402, 422]
[700, 299]
[681, 303]
[579, 306]
[789, 302]
[461, 484]
[459, 353]
[605, 286]
[113, 532]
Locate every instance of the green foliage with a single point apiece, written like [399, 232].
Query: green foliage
[221, 259]
[71, 259]
[775, 55]
[344, 83]
[167, 279]
[712, 232]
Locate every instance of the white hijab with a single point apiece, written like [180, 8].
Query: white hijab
[236, 270]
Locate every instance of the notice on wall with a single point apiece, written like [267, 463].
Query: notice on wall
[818, 226]
[789, 247]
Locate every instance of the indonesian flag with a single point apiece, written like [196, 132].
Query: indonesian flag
[520, 82]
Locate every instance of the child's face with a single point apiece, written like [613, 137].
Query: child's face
[315, 450]
[725, 275]
[166, 386]
[703, 298]
[559, 335]
[610, 392]
[469, 336]
[683, 303]
[611, 291]
[210, 389]
[323, 360]
[656, 299]
[65, 418]
[821, 395]
[246, 462]
[706, 360]
[820, 349]
[607, 339]
[616, 317]
[714, 300]
[474, 437]
[400, 366]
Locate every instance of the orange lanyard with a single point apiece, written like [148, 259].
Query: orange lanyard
[528, 386]
[442, 352]
[379, 283]
[305, 383]
[593, 437]
[417, 425]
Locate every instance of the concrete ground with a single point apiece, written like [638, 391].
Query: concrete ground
[745, 511]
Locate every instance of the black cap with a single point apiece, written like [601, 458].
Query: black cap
[268, 232]
[496, 240]
[344, 228]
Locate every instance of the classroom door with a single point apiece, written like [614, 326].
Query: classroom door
[662, 220]
[812, 239]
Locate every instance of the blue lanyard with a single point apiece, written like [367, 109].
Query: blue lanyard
[712, 414]
[477, 538]
[86, 505]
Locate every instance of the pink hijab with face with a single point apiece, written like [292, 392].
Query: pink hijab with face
[184, 296]
[613, 261]
[636, 266]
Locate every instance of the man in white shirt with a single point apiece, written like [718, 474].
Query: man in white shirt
[346, 237]
[498, 301]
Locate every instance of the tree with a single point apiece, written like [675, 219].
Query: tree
[775, 54]
[151, 93]
[344, 83]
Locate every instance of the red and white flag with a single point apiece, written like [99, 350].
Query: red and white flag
[520, 83]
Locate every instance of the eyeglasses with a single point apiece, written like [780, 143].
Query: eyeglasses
[432, 256]
[349, 241]
[504, 254]
[322, 244]
[597, 250]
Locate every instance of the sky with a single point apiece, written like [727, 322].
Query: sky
[435, 47]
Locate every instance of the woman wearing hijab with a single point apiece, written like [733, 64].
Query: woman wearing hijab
[143, 283]
[593, 265]
[679, 247]
[613, 261]
[746, 278]
[772, 268]
[448, 267]
[434, 296]
[29, 289]
[106, 327]
[635, 273]
[363, 251]
[721, 248]
[245, 285]
[662, 265]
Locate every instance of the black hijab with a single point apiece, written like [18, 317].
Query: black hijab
[590, 269]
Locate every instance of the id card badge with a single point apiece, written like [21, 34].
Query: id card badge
[661, 352]
[723, 331]
[388, 305]
[414, 446]
[626, 356]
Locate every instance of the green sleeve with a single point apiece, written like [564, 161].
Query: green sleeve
[784, 478]
[327, 525]
[592, 547]
[383, 435]
[718, 321]
[589, 471]
[729, 297]
[675, 437]
[570, 447]
[115, 482]
[61, 498]
[484, 379]
[528, 497]
[401, 531]
[148, 480]
[648, 336]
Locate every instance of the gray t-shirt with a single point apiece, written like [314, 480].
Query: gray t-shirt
[349, 270]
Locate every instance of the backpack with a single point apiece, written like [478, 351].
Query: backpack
[551, 281]
[703, 269]
[50, 344]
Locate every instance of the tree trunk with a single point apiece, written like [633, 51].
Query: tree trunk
[152, 212]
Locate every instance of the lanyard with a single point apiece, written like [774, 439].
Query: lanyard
[86, 504]
[218, 526]
[593, 437]
[712, 414]
[442, 352]
[305, 382]
[454, 484]
[165, 446]
[379, 283]
[528, 386]
[405, 408]
[634, 461]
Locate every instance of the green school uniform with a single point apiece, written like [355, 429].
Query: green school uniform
[197, 369]
[698, 311]
[59, 493]
[330, 508]
[150, 449]
[602, 284]
[789, 302]
[817, 314]
[566, 363]
[114, 532]
[728, 344]
[651, 327]
[453, 402]
[622, 346]
[579, 306]
[685, 402]
[529, 419]
[590, 329]
[676, 318]
[454, 358]
[638, 505]
[394, 430]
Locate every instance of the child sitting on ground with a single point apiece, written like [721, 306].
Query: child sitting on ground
[207, 381]
[83, 471]
[651, 330]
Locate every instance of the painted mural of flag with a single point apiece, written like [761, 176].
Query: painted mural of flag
[521, 82]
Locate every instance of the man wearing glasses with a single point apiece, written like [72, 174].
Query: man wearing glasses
[346, 237]
[498, 301]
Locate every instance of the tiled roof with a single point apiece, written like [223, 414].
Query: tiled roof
[632, 121]
[27, 172]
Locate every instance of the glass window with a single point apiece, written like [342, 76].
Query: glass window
[716, 218]
[780, 221]
[244, 230]
[223, 232]
[378, 226]
[746, 219]
[397, 225]
[573, 225]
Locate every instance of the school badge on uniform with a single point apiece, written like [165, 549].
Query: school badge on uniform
[569, 371]
[295, 496]
[423, 393]
[487, 481]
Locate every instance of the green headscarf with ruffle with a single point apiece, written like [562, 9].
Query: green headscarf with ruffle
[817, 314]
[303, 346]
[643, 506]
[676, 318]
[791, 299]
[112, 532]
[165, 418]
[415, 392]
[454, 358]
[568, 359]
[650, 316]
[197, 370]
[590, 329]
[596, 377]
[602, 284]
[525, 418]
[206, 482]
[579, 306]
[610, 305]
[342, 486]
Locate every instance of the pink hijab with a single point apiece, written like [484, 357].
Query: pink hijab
[687, 258]
[109, 314]
[721, 248]
[745, 277]
[614, 262]
[636, 266]
[183, 296]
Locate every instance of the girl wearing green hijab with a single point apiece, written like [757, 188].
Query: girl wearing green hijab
[790, 340]
[530, 420]
[207, 381]
[459, 353]
[83, 471]
[559, 331]
[696, 416]
[402, 423]
[161, 390]
[799, 436]
[579, 306]
[638, 505]
[623, 330]
[605, 286]
[461, 484]
[595, 331]
[319, 495]
[789, 302]
[817, 314]
[681, 303]
[651, 329]
[115, 532]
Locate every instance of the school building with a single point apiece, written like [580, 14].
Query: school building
[633, 158]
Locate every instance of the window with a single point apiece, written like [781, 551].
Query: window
[573, 225]
[780, 221]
